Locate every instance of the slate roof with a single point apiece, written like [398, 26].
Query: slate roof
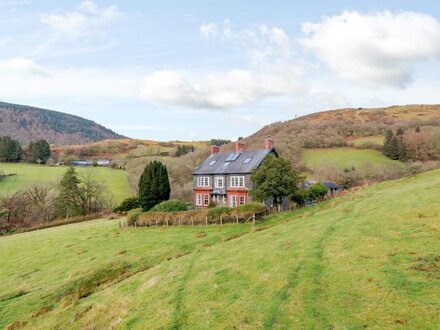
[218, 164]
[330, 185]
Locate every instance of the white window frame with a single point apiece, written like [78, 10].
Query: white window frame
[199, 199]
[240, 199]
[237, 181]
[233, 201]
[203, 181]
[206, 200]
[218, 180]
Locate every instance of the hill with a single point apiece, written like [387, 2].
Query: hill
[26, 123]
[366, 260]
[116, 181]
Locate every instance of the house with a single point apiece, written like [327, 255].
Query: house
[332, 188]
[225, 177]
[101, 162]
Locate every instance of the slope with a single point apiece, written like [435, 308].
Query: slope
[368, 259]
[26, 123]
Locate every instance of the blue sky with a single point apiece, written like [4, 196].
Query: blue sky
[215, 69]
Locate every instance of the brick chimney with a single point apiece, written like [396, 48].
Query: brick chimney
[269, 143]
[215, 150]
[239, 146]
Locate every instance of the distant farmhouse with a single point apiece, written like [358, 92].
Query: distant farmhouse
[101, 162]
[224, 178]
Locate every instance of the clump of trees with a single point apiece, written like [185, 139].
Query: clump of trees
[419, 144]
[10, 150]
[154, 185]
[38, 151]
[184, 149]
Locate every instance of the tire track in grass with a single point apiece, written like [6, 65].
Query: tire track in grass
[316, 270]
[178, 318]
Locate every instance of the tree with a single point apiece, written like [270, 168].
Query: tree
[10, 150]
[67, 202]
[275, 179]
[387, 144]
[154, 186]
[317, 191]
[38, 151]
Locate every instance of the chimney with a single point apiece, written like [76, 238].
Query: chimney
[269, 143]
[215, 150]
[239, 146]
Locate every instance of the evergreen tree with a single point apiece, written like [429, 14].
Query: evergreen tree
[387, 144]
[154, 186]
[10, 150]
[275, 179]
[38, 151]
[68, 201]
[394, 149]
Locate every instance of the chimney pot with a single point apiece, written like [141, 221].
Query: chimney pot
[215, 150]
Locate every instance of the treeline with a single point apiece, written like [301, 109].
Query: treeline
[419, 144]
[73, 196]
[37, 152]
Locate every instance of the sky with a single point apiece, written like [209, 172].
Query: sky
[196, 70]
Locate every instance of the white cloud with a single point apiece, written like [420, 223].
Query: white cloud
[86, 18]
[271, 73]
[209, 30]
[376, 48]
[21, 67]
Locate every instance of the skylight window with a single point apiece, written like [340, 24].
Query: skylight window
[232, 157]
[247, 160]
[212, 163]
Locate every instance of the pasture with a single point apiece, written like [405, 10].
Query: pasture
[345, 158]
[115, 181]
[370, 259]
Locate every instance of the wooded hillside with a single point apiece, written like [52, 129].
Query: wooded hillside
[26, 123]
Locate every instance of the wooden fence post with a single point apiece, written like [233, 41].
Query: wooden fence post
[192, 221]
[179, 222]
[221, 221]
[236, 217]
[167, 222]
[156, 222]
[135, 224]
[206, 221]
[253, 219]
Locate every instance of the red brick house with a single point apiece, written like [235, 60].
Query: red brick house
[225, 177]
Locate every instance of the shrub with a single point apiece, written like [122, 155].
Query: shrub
[251, 208]
[127, 204]
[133, 215]
[218, 211]
[173, 205]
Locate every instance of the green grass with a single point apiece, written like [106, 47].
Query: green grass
[344, 157]
[369, 139]
[28, 174]
[370, 259]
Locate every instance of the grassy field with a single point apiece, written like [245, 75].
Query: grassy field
[370, 139]
[370, 259]
[28, 174]
[345, 157]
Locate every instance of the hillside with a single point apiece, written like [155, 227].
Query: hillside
[26, 123]
[369, 259]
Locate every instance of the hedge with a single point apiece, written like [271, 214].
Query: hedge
[217, 215]
[173, 205]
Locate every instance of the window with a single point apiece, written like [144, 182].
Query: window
[237, 181]
[247, 160]
[212, 163]
[233, 201]
[199, 199]
[219, 182]
[206, 201]
[203, 181]
[242, 200]
[232, 157]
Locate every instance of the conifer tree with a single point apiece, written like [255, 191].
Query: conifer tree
[387, 144]
[38, 151]
[10, 150]
[154, 186]
[67, 202]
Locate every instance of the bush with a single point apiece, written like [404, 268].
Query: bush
[133, 215]
[251, 208]
[173, 205]
[127, 204]
[218, 211]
